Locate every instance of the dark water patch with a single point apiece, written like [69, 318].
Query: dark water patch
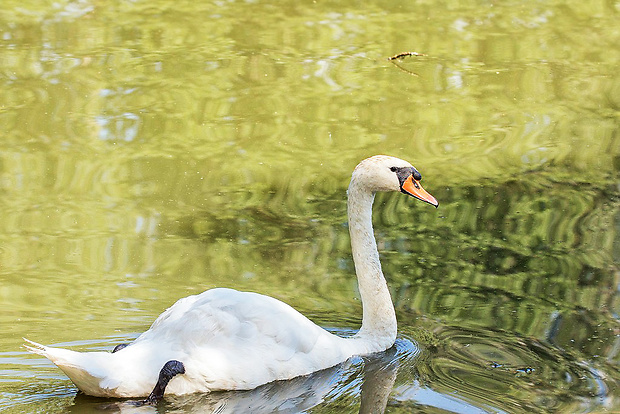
[512, 373]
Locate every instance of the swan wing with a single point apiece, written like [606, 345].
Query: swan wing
[226, 317]
[238, 340]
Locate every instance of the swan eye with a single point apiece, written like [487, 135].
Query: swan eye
[402, 173]
[405, 172]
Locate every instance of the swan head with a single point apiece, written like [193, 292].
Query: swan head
[385, 173]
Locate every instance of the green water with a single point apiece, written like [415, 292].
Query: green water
[152, 150]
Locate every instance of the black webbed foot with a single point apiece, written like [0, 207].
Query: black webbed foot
[119, 347]
[170, 369]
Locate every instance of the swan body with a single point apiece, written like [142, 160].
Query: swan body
[224, 339]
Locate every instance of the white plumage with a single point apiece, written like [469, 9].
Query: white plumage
[231, 340]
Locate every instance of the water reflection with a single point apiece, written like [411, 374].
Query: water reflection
[145, 159]
[516, 288]
[495, 369]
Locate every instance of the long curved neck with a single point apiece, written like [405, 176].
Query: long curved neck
[379, 318]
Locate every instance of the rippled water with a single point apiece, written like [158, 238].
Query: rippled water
[154, 150]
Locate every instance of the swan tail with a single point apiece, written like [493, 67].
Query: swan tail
[35, 348]
[59, 356]
[85, 370]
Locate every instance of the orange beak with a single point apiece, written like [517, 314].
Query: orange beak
[412, 187]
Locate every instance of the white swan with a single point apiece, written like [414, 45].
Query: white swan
[223, 339]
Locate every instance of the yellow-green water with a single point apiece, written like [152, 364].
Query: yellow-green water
[151, 150]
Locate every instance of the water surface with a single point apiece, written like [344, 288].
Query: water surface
[152, 150]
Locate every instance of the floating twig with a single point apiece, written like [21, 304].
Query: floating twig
[405, 54]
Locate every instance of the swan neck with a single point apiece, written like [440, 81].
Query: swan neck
[379, 319]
